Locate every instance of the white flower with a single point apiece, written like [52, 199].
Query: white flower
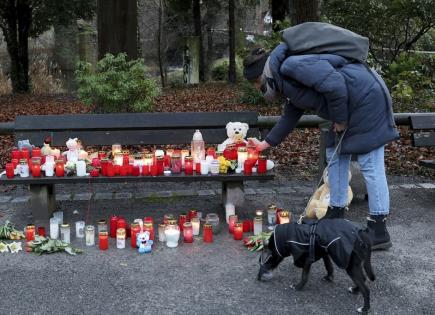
[15, 247]
[3, 247]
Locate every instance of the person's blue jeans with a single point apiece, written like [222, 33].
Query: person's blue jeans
[373, 169]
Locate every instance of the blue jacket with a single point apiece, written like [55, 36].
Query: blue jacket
[338, 90]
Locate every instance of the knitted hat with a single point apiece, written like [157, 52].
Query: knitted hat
[253, 64]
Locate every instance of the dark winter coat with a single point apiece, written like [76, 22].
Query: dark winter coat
[337, 237]
[338, 90]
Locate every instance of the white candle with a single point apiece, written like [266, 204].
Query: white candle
[258, 225]
[81, 168]
[49, 169]
[172, 237]
[242, 156]
[58, 215]
[90, 235]
[184, 153]
[80, 229]
[195, 225]
[204, 167]
[54, 228]
[65, 233]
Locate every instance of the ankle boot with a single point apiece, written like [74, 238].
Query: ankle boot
[334, 213]
[378, 232]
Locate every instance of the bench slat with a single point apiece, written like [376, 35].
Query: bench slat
[423, 122]
[102, 179]
[129, 137]
[132, 121]
[424, 139]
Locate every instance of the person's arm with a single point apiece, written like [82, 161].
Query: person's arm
[320, 75]
[285, 124]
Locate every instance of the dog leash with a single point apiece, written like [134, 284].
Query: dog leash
[302, 216]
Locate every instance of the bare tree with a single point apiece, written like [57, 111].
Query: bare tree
[304, 11]
[232, 76]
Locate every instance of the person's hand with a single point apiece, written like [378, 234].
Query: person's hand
[339, 127]
[259, 145]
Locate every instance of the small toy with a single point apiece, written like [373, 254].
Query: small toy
[236, 132]
[72, 155]
[143, 242]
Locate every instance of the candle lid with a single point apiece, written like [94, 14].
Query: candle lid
[134, 225]
[148, 156]
[188, 158]
[104, 233]
[283, 214]
[23, 161]
[30, 226]
[187, 224]
[183, 215]
[238, 223]
[64, 225]
[262, 157]
[162, 225]
[102, 222]
[148, 225]
[258, 219]
[208, 226]
[242, 149]
[90, 228]
[197, 136]
[172, 222]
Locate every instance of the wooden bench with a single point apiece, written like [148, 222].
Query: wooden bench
[424, 134]
[129, 129]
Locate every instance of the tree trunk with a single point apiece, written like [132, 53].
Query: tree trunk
[16, 33]
[280, 9]
[197, 21]
[232, 38]
[305, 11]
[159, 45]
[117, 27]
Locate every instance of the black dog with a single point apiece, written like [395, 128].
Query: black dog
[346, 243]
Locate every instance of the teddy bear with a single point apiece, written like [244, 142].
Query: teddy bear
[46, 149]
[72, 155]
[143, 242]
[318, 205]
[236, 132]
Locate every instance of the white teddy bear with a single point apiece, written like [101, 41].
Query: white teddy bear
[236, 132]
[72, 155]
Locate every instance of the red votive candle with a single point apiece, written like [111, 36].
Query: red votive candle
[247, 167]
[211, 151]
[96, 162]
[188, 165]
[36, 152]
[145, 170]
[117, 169]
[129, 169]
[160, 164]
[135, 228]
[15, 162]
[150, 228]
[36, 169]
[10, 170]
[15, 154]
[123, 170]
[167, 161]
[188, 232]
[192, 214]
[103, 240]
[60, 168]
[181, 220]
[94, 172]
[247, 224]
[154, 170]
[207, 233]
[238, 231]
[135, 171]
[148, 220]
[101, 155]
[113, 225]
[121, 224]
[25, 153]
[125, 159]
[232, 219]
[103, 163]
[110, 169]
[30, 232]
[198, 168]
[41, 231]
[262, 164]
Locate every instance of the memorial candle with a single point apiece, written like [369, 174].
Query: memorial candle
[36, 152]
[247, 226]
[284, 217]
[41, 231]
[188, 165]
[187, 232]
[113, 225]
[120, 238]
[101, 155]
[30, 232]
[25, 153]
[161, 230]
[207, 234]
[160, 164]
[103, 240]
[118, 159]
[116, 148]
[181, 220]
[195, 226]
[101, 226]
[148, 226]
[231, 220]
[60, 168]
[252, 153]
[135, 228]
[90, 235]
[192, 214]
[184, 154]
[10, 170]
[238, 231]
[65, 233]
[262, 164]
[242, 156]
[258, 225]
[54, 228]
[80, 229]
[110, 169]
[15, 154]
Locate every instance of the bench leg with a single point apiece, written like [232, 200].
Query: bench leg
[233, 195]
[42, 201]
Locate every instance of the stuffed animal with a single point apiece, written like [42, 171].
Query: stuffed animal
[24, 144]
[72, 155]
[236, 132]
[143, 242]
[319, 203]
[46, 149]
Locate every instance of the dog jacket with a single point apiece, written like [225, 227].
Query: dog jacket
[312, 238]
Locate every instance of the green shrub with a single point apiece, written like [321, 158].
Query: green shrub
[248, 94]
[116, 85]
[219, 71]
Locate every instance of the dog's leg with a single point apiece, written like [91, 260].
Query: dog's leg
[356, 274]
[329, 268]
[269, 260]
[304, 278]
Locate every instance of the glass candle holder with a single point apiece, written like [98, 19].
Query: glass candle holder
[58, 215]
[231, 220]
[271, 217]
[25, 153]
[168, 217]
[54, 228]
[172, 234]
[110, 169]
[176, 164]
[262, 164]
[247, 167]
[30, 232]
[187, 232]
[65, 233]
[214, 167]
[118, 158]
[148, 226]
[258, 225]
[195, 226]
[188, 165]
[134, 230]
[101, 155]
[213, 220]
[160, 164]
[192, 214]
[24, 168]
[205, 167]
[238, 231]
[242, 156]
[10, 170]
[15, 154]
[252, 153]
[113, 225]
[60, 168]
[103, 240]
[207, 234]
[101, 226]
[36, 152]
[247, 226]
[161, 231]
[148, 159]
[120, 238]
[41, 231]
[284, 217]
[121, 223]
[116, 148]
[184, 154]
[36, 167]
[181, 220]
[90, 235]
[80, 229]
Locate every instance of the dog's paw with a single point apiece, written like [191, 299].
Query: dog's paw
[353, 290]
[296, 287]
[328, 278]
[362, 310]
[265, 276]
